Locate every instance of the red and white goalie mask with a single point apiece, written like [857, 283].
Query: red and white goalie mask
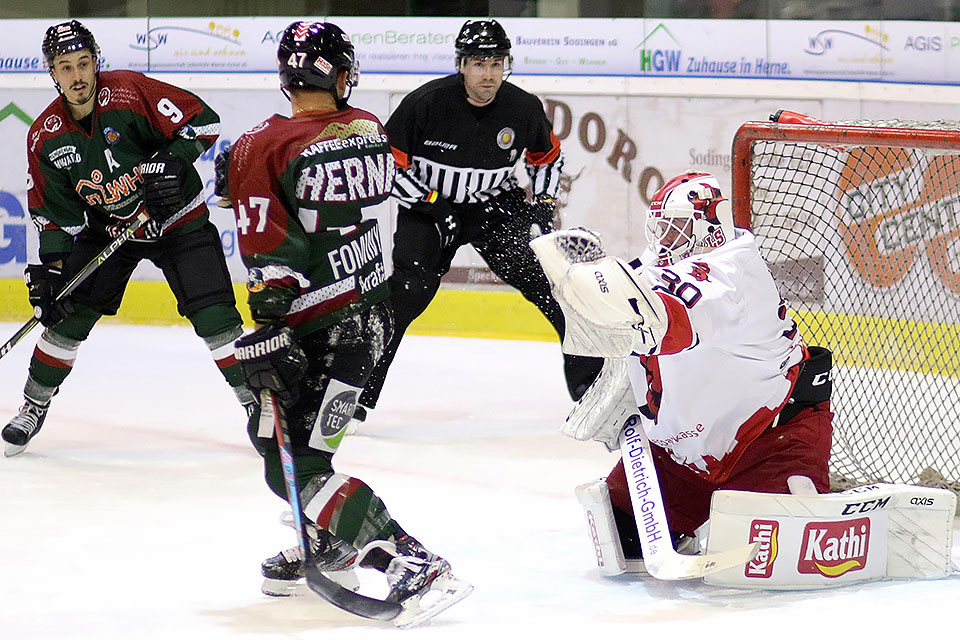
[688, 215]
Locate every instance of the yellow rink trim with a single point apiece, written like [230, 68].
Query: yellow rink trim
[883, 343]
[858, 341]
[503, 315]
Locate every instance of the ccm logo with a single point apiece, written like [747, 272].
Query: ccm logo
[601, 281]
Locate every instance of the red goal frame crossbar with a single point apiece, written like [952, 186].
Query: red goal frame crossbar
[830, 135]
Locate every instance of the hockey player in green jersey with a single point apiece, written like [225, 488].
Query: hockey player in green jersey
[113, 144]
[318, 294]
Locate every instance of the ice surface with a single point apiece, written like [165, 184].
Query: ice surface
[139, 511]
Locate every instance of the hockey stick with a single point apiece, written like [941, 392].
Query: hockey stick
[82, 275]
[320, 584]
[659, 557]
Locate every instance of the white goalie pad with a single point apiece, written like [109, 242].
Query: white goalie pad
[808, 542]
[594, 497]
[608, 311]
[607, 404]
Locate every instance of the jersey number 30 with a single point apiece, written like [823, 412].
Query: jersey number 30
[258, 208]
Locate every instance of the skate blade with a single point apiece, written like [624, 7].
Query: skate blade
[10, 450]
[444, 593]
[286, 588]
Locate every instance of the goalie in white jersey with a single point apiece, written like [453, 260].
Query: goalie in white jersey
[719, 376]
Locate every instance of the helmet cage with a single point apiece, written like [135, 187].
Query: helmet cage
[683, 218]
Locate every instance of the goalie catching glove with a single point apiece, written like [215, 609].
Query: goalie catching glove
[272, 361]
[163, 176]
[609, 311]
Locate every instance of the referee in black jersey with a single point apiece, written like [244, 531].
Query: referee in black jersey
[456, 141]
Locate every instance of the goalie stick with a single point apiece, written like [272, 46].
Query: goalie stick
[660, 558]
[82, 275]
[355, 603]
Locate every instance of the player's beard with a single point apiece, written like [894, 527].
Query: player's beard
[80, 97]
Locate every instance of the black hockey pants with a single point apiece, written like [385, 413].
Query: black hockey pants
[502, 240]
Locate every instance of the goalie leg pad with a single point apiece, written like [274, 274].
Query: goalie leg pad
[809, 542]
[594, 497]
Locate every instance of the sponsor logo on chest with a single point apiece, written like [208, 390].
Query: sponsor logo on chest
[114, 193]
[832, 549]
[63, 157]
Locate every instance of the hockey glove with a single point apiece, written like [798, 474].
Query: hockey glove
[444, 218]
[542, 211]
[44, 283]
[272, 360]
[163, 175]
[221, 169]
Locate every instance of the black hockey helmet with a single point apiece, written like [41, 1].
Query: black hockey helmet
[482, 39]
[67, 37]
[311, 54]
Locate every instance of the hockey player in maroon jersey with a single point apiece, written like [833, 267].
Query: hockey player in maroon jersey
[318, 294]
[702, 353]
[112, 144]
[457, 141]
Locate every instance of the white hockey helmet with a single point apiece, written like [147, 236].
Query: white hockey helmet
[688, 215]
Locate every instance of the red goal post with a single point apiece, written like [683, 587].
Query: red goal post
[860, 224]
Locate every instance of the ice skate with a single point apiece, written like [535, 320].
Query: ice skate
[422, 583]
[19, 431]
[334, 557]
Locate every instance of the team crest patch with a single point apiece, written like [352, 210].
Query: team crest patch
[505, 138]
[323, 65]
[52, 124]
[103, 97]
[255, 281]
[259, 127]
[111, 135]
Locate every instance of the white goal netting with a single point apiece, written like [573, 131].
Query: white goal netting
[860, 224]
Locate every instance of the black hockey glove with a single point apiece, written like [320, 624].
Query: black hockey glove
[44, 283]
[542, 211]
[221, 169]
[448, 226]
[444, 217]
[163, 174]
[272, 360]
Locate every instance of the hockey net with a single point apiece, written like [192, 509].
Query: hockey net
[860, 223]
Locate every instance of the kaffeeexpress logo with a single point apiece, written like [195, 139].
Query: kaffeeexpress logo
[896, 205]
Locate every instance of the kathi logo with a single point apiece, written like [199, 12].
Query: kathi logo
[659, 60]
[896, 205]
[766, 532]
[832, 549]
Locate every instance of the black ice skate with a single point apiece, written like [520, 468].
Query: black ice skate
[23, 426]
[334, 557]
[422, 583]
